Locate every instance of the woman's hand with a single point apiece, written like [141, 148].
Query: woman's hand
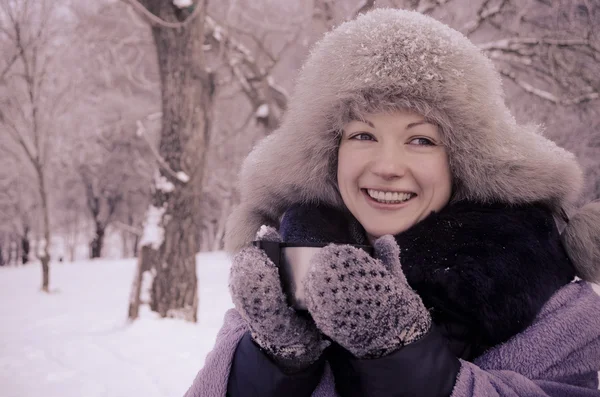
[292, 340]
[363, 303]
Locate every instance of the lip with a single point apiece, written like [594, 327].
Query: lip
[387, 190]
[382, 206]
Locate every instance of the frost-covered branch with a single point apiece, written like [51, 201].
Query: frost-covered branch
[431, 5]
[547, 95]
[517, 44]
[510, 57]
[255, 80]
[18, 137]
[130, 229]
[362, 7]
[9, 64]
[485, 12]
[221, 35]
[551, 59]
[260, 42]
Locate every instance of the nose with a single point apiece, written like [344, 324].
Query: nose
[389, 163]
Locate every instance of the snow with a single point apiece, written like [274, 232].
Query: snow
[183, 3]
[153, 232]
[262, 232]
[262, 111]
[183, 177]
[76, 341]
[140, 128]
[163, 184]
[41, 247]
[218, 33]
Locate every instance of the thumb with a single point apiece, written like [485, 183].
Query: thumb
[388, 251]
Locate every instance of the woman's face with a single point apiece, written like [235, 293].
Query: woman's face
[392, 171]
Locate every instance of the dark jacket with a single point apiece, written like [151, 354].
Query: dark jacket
[484, 271]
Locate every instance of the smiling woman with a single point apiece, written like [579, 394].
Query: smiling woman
[392, 171]
[398, 136]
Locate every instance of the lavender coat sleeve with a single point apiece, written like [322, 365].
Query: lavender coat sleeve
[558, 355]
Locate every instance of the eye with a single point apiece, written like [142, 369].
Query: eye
[363, 136]
[422, 141]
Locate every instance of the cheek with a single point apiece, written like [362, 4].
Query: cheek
[442, 178]
[345, 169]
[436, 177]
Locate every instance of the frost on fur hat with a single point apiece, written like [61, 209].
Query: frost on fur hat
[390, 59]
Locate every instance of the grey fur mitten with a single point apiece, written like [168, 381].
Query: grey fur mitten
[290, 339]
[363, 303]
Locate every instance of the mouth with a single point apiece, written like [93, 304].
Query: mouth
[388, 197]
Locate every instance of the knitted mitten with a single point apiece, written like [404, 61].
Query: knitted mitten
[290, 339]
[365, 304]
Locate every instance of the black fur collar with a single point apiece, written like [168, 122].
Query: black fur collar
[487, 267]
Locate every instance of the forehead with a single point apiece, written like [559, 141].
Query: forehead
[398, 117]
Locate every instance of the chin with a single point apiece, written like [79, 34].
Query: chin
[375, 233]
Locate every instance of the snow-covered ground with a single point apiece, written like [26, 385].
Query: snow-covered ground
[76, 342]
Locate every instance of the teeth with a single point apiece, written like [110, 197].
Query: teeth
[389, 197]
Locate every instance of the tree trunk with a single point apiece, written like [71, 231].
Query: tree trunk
[45, 259]
[98, 241]
[45, 255]
[136, 241]
[130, 240]
[187, 90]
[124, 244]
[72, 236]
[25, 246]
[146, 261]
[12, 252]
[220, 234]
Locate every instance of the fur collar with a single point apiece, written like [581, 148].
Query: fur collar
[489, 268]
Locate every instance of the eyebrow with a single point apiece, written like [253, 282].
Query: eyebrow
[366, 122]
[417, 123]
[409, 126]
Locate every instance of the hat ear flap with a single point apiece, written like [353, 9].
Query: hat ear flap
[581, 239]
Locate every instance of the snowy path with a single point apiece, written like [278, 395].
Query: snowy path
[76, 342]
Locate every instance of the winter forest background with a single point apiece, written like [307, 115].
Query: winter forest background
[123, 124]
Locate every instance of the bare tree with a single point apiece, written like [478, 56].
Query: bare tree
[18, 201]
[111, 173]
[187, 88]
[32, 99]
[8, 204]
[103, 199]
[71, 220]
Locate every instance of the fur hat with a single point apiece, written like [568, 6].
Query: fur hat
[392, 59]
